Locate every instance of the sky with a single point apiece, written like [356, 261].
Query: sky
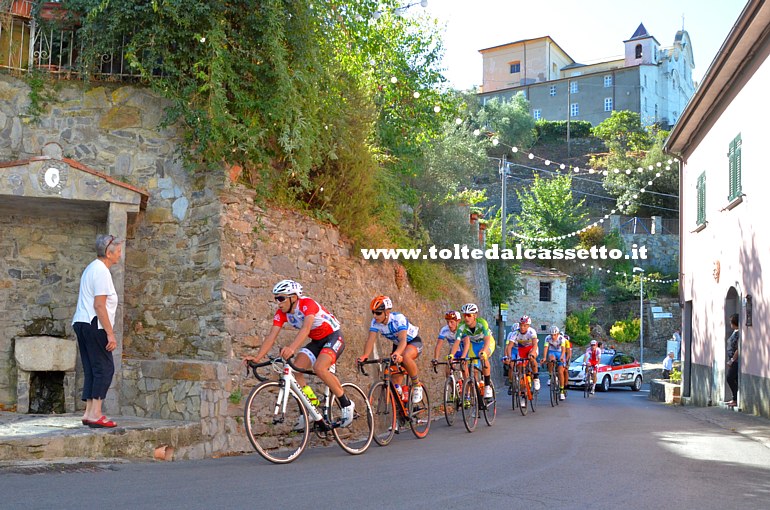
[589, 30]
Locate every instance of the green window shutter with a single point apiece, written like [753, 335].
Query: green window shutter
[734, 156]
[701, 187]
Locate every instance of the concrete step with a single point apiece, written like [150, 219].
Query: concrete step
[56, 436]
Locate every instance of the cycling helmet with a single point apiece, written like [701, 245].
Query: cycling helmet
[381, 303]
[470, 308]
[593, 342]
[452, 315]
[525, 320]
[554, 330]
[287, 287]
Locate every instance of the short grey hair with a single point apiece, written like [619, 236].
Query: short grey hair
[105, 242]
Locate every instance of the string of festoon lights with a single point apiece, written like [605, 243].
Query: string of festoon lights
[620, 273]
[657, 168]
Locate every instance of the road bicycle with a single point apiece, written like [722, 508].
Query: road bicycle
[554, 380]
[588, 378]
[279, 417]
[473, 398]
[522, 387]
[392, 409]
[453, 388]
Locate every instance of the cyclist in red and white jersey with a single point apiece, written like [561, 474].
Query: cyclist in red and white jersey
[326, 344]
[407, 345]
[525, 340]
[592, 357]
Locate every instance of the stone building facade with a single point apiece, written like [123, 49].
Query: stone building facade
[200, 259]
[648, 79]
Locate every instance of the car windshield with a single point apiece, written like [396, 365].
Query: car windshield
[606, 358]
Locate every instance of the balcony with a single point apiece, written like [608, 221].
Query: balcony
[51, 43]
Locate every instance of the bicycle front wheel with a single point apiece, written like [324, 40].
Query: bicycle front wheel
[279, 435]
[587, 386]
[384, 412]
[522, 395]
[553, 392]
[355, 438]
[450, 401]
[490, 406]
[515, 391]
[470, 405]
[419, 414]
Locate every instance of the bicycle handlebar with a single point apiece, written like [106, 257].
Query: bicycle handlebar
[381, 361]
[272, 361]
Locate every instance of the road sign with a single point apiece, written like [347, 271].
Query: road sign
[662, 315]
[656, 309]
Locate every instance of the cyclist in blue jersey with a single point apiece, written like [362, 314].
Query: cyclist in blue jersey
[477, 339]
[407, 345]
[447, 336]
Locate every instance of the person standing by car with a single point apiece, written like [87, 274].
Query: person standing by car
[668, 365]
[732, 360]
[93, 324]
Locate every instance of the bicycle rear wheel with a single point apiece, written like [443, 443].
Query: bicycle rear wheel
[490, 406]
[355, 438]
[470, 404]
[450, 401]
[273, 432]
[384, 413]
[419, 413]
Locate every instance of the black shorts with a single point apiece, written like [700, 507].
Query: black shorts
[416, 343]
[332, 344]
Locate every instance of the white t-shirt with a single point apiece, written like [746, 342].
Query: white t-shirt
[95, 281]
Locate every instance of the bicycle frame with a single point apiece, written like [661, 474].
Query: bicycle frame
[287, 380]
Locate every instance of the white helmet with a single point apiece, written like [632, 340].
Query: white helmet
[555, 330]
[525, 320]
[287, 287]
[470, 308]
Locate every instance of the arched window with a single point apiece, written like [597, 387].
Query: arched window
[638, 51]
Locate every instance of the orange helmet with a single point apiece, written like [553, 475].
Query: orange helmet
[381, 303]
[452, 315]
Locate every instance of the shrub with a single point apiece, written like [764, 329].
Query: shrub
[556, 129]
[578, 325]
[675, 376]
[626, 330]
[591, 288]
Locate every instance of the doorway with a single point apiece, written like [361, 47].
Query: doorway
[732, 307]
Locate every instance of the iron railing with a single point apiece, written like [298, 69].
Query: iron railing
[27, 45]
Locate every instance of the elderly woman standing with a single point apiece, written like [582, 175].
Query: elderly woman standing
[93, 321]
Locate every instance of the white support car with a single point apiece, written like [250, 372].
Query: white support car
[615, 369]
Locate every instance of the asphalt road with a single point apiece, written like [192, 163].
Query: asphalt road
[615, 450]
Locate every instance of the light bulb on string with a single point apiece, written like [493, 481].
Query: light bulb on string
[437, 108]
[393, 79]
[416, 95]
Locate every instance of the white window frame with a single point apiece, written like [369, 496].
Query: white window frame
[607, 81]
[574, 110]
[608, 104]
[537, 114]
[573, 87]
[552, 92]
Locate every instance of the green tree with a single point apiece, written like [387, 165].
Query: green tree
[507, 121]
[504, 275]
[630, 147]
[548, 209]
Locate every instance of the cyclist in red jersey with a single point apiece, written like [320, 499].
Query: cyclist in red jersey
[593, 355]
[326, 344]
